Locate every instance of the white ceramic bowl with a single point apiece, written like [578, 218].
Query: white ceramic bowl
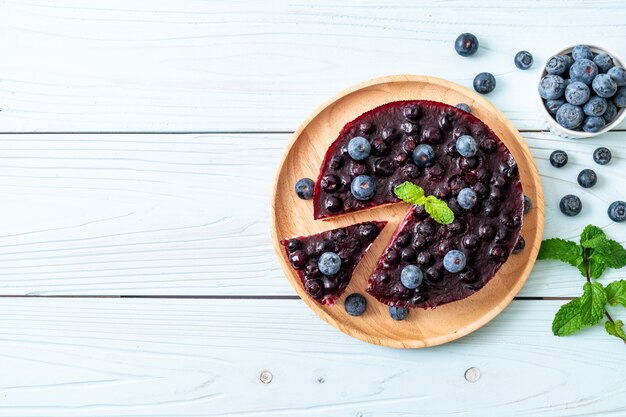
[556, 128]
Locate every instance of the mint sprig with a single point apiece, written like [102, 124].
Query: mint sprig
[591, 256]
[436, 208]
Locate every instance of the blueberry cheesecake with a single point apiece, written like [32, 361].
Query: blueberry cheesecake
[415, 141]
[325, 261]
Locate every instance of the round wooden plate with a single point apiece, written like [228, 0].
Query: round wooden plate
[294, 217]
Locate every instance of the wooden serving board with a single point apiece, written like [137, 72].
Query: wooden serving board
[292, 216]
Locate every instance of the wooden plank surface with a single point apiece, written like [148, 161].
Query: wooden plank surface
[189, 214]
[157, 65]
[121, 357]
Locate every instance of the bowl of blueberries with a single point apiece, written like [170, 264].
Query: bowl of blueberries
[582, 91]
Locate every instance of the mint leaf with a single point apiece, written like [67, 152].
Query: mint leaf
[616, 293]
[562, 250]
[410, 193]
[615, 329]
[596, 267]
[592, 303]
[616, 256]
[438, 210]
[593, 237]
[567, 319]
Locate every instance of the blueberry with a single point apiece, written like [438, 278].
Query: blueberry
[551, 87]
[519, 245]
[559, 64]
[467, 198]
[466, 146]
[570, 205]
[363, 187]
[620, 97]
[558, 159]
[411, 276]
[359, 148]
[581, 52]
[593, 124]
[610, 113]
[577, 93]
[398, 313]
[604, 62]
[424, 156]
[617, 211]
[329, 263]
[553, 105]
[587, 178]
[523, 60]
[304, 188]
[355, 304]
[602, 155]
[583, 70]
[618, 74]
[464, 107]
[569, 116]
[527, 204]
[596, 106]
[466, 44]
[604, 85]
[484, 83]
[454, 261]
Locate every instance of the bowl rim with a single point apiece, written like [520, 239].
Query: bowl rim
[581, 134]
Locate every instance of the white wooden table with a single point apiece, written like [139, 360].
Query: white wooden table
[138, 147]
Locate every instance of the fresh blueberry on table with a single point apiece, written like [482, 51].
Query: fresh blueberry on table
[569, 116]
[577, 93]
[523, 60]
[558, 158]
[464, 107]
[359, 148]
[610, 113]
[602, 155]
[363, 187]
[553, 105]
[466, 146]
[604, 85]
[355, 304]
[551, 87]
[604, 62]
[570, 205]
[618, 74]
[424, 155]
[596, 106]
[467, 198]
[617, 211]
[454, 261]
[304, 188]
[587, 178]
[593, 124]
[528, 203]
[411, 277]
[466, 44]
[398, 313]
[485, 82]
[559, 64]
[583, 70]
[581, 52]
[329, 263]
[620, 97]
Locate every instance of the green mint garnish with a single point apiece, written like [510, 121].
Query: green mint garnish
[436, 208]
[592, 256]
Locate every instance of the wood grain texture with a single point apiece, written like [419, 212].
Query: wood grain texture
[292, 216]
[157, 65]
[156, 358]
[171, 214]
